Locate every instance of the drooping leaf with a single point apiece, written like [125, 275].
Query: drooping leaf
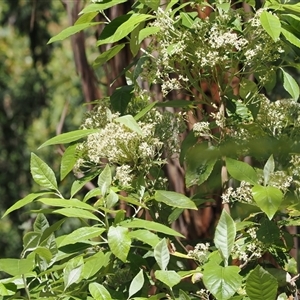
[107, 55]
[290, 85]
[271, 24]
[148, 31]
[69, 137]
[15, 267]
[260, 284]
[99, 292]
[269, 168]
[68, 161]
[136, 283]
[145, 236]
[119, 241]
[130, 123]
[104, 180]
[222, 282]
[72, 271]
[83, 234]
[150, 225]
[268, 199]
[225, 235]
[42, 174]
[174, 199]
[241, 171]
[162, 254]
[71, 30]
[169, 278]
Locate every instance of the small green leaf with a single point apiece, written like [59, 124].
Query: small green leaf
[225, 235]
[81, 182]
[69, 137]
[15, 267]
[136, 283]
[145, 110]
[31, 240]
[222, 282]
[145, 236]
[291, 37]
[162, 254]
[72, 271]
[111, 199]
[86, 18]
[271, 24]
[68, 161]
[145, 32]
[104, 180]
[107, 55]
[241, 171]
[150, 225]
[72, 30]
[105, 4]
[99, 292]
[269, 168]
[40, 224]
[174, 199]
[119, 242]
[290, 85]
[130, 123]
[82, 234]
[268, 199]
[169, 278]
[260, 284]
[42, 174]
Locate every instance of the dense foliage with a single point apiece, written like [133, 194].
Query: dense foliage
[124, 144]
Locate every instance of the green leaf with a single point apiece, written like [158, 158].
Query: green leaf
[99, 292]
[271, 24]
[72, 271]
[268, 199]
[31, 240]
[68, 161]
[86, 18]
[91, 194]
[260, 284]
[130, 123]
[105, 4]
[136, 283]
[154, 4]
[72, 30]
[69, 137]
[174, 199]
[56, 202]
[169, 278]
[222, 282]
[146, 32]
[269, 233]
[44, 253]
[81, 182]
[120, 27]
[76, 213]
[94, 263]
[22, 202]
[119, 241]
[111, 199]
[183, 295]
[290, 85]
[150, 225]
[40, 224]
[107, 55]
[241, 171]
[82, 234]
[104, 180]
[145, 236]
[225, 235]
[269, 168]
[15, 267]
[134, 42]
[42, 174]
[162, 254]
[145, 110]
[291, 37]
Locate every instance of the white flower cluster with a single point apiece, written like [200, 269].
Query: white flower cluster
[203, 294]
[202, 129]
[200, 252]
[241, 194]
[295, 165]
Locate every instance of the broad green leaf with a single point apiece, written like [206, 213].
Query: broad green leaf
[105, 4]
[269, 233]
[150, 225]
[42, 174]
[31, 240]
[225, 235]
[69, 137]
[99, 292]
[111, 199]
[15, 267]
[86, 18]
[130, 123]
[44, 252]
[268, 199]
[187, 19]
[66, 203]
[72, 30]
[136, 283]
[68, 161]
[290, 85]
[82, 234]
[145, 236]
[28, 199]
[169, 278]
[91, 194]
[269, 168]
[75, 213]
[8, 289]
[72, 271]
[241, 171]
[121, 97]
[41, 223]
[174, 199]
[260, 284]
[94, 263]
[119, 241]
[291, 37]
[222, 282]
[271, 24]
[120, 27]
[107, 55]
[104, 180]
[162, 254]
[145, 110]
[148, 31]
